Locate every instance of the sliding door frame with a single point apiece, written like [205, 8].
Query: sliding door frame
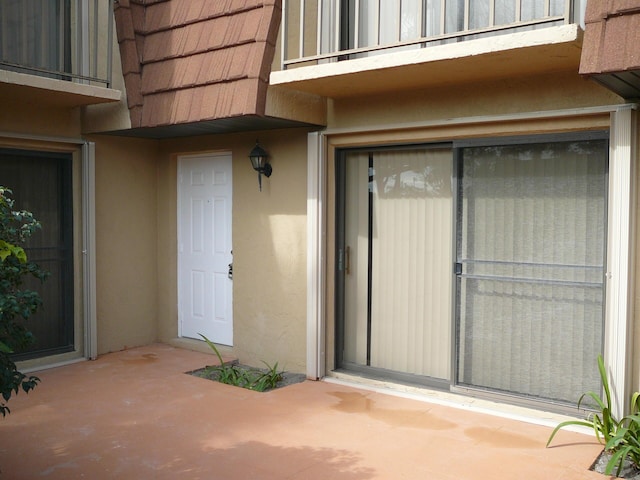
[620, 119]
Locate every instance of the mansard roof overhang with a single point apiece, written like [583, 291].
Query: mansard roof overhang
[495, 57]
[611, 53]
[197, 67]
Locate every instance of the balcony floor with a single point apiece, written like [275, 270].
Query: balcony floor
[136, 415]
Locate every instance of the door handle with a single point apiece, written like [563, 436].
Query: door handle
[230, 273]
[347, 260]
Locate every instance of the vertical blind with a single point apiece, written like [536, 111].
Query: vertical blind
[531, 243]
[399, 234]
[411, 262]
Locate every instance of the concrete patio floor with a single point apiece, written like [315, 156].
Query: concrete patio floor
[136, 415]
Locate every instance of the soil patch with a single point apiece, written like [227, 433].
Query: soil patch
[629, 471]
[287, 378]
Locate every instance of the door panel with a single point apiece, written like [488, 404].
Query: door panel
[204, 244]
[531, 255]
[398, 256]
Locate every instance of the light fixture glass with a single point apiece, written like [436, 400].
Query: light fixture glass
[259, 162]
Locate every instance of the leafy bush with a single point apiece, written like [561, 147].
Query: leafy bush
[16, 304]
[250, 378]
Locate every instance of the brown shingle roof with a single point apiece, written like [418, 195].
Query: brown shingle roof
[217, 66]
[186, 61]
[610, 52]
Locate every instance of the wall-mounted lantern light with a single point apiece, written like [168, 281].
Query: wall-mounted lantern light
[258, 157]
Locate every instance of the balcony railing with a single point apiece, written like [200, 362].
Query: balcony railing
[62, 39]
[323, 31]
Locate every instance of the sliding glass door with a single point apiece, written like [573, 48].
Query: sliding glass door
[41, 183]
[531, 256]
[503, 275]
[395, 260]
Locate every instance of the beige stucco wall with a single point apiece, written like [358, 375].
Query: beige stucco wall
[269, 245]
[126, 242]
[498, 97]
[20, 116]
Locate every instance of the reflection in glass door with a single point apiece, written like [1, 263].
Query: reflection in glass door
[395, 261]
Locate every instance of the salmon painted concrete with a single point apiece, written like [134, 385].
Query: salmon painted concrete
[135, 414]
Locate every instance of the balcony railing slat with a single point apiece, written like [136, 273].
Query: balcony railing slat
[399, 23]
[318, 34]
[301, 22]
[492, 13]
[467, 7]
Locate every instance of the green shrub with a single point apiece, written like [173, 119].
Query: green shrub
[16, 303]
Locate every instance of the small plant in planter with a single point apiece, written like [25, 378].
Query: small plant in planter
[240, 376]
[621, 438]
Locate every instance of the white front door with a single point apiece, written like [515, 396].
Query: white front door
[204, 247]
